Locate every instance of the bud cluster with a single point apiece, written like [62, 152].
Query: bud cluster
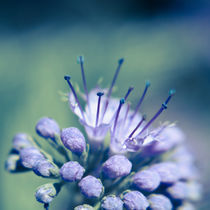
[121, 162]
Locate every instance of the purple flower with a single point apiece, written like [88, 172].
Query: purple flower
[117, 166]
[147, 180]
[178, 191]
[111, 202]
[84, 207]
[47, 128]
[159, 202]
[91, 187]
[22, 140]
[135, 200]
[45, 193]
[45, 168]
[72, 171]
[168, 171]
[73, 140]
[166, 137]
[29, 156]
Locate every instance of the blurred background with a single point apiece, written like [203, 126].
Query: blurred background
[164, 41]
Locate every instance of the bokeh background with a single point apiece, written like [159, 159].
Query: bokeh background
[167, 42]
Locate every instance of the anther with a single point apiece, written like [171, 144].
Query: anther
[99, 94]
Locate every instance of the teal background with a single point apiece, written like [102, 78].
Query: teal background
[167, 45]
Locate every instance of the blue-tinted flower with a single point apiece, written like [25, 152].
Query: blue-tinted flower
[135, 200]
[117, 166]
[30, 156]
[72, 171]
[45, 168]
[22, 140]
[91, 187]
[73, 140]
[47, 128]
[159, 202]
[111, 202]
[147, 180]
[123, 156]
[168, 171]
[46, 193]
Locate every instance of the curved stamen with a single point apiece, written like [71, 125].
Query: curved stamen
[67, 78]
[130, 89]
[120, 62]
[139, 124]
[122, 101]
[80, 60]
[163, 107]
[141, 99]
[99, 94]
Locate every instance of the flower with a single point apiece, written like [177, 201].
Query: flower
[91, 187]
[72, 171]
[47, 128]
[117, 166]
[120, 162]
[111, 202]
[135, 200]
[73, 140]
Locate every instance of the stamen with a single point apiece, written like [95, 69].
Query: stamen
[141, 99]
[120, 62]
[130, 89]
[122, 101]
[67, 78]
[80, 60]
[163, 107]
[99, 94]
[139, 124]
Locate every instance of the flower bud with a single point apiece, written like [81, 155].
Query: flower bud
[117, 166]
[45, 168]
[186, 206]
[91, 187]
[45, 193]
[168, 172]
[22, 140]
[159, 202]
[178, 191]
[47, 128]
[71, 171]
[111, 202]
[135, 200]
[84, 207]
[29, 156]
[73, 140]
[13, 164]
[146, 180]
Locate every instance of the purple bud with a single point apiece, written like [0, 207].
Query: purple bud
[71, 171]
[22, 140]
[29, 156]
[159, 202]
[91, 187]
[178, 191]
[45, 193]
[12, 164]
[146, 180]
[168, 172]
[84, 207]
[117, 166]
[73, 140]
[135, 200]
[45, 168]
[47, 128]
[111, 202]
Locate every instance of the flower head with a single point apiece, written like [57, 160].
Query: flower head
[122, 162]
